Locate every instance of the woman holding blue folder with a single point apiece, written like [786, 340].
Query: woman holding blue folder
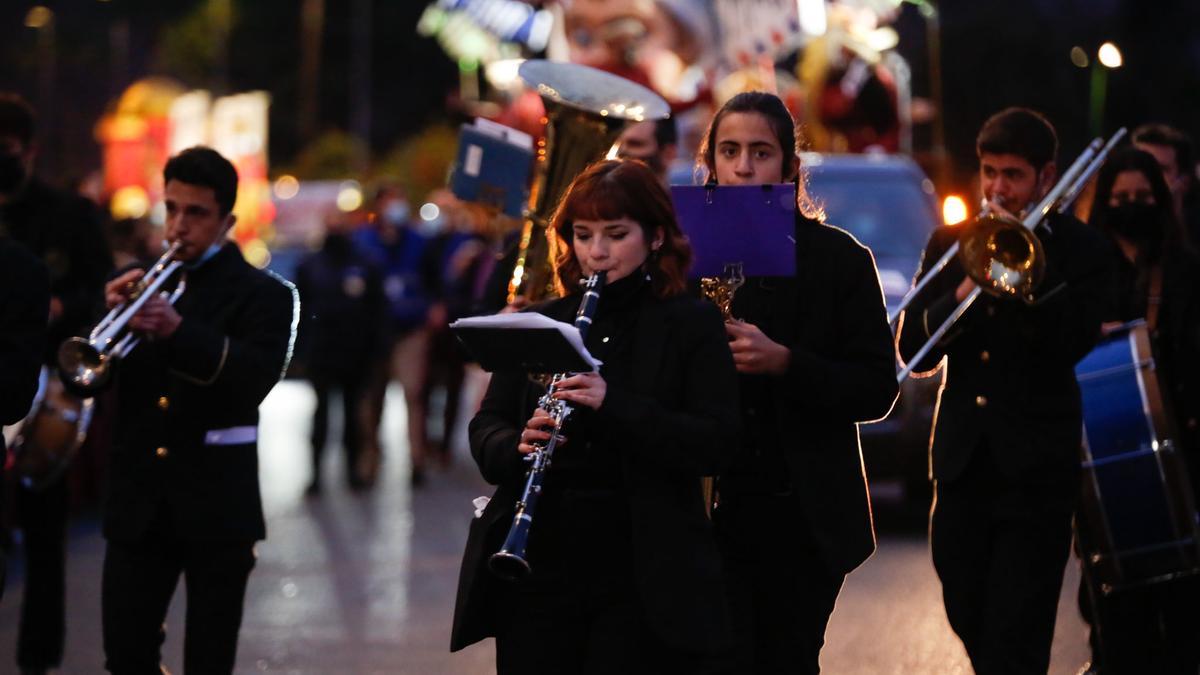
[625, 574]
[815, 356]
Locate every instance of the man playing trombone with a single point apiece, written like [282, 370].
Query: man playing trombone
[183, 495]
[1005, 448]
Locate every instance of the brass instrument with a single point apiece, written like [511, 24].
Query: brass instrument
[509, 562]
[1002, 255]
[86, 364]
[586, 109]
[45, 442]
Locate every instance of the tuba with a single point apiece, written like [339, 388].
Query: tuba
[586, 110]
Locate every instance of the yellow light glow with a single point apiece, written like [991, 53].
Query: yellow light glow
[256, 253]
[954, 210]
[39, 16]
[130, 201]
[286, 187]
[350, 197]
[1109, 55]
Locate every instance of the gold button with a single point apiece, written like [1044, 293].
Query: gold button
[981, 401]
[985, 356]
[161, 452]
[163, 403]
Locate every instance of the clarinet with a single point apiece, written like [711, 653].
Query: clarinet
[509, 562]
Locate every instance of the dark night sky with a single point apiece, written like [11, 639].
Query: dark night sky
[995, 54]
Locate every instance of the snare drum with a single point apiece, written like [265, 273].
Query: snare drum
[1137, 523]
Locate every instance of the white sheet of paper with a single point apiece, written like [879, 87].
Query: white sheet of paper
[531, 320]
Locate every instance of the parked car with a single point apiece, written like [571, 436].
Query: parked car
[889, 205]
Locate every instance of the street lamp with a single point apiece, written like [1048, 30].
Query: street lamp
[1108, 57]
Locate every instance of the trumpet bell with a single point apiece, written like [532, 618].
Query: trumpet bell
[1002, 256]
[82, 367]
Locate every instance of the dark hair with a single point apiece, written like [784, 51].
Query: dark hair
[1132, 159]
[767, 105]
[665, 132]
[614, 189]
[17, 118]
[1018, 131]
[1163, 134]
[780, 119]
[207, 168]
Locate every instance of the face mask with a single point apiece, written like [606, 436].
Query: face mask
[12, 172]
[395, 213]
[1136, 222]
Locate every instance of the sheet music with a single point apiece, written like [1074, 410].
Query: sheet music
[519, 320]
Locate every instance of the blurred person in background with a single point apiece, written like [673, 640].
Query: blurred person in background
[64, 231]
[457, 253]
[393, 241]
[341, 290]
[655, 142]
[24, 309]
[1173, 150]
[1151, 628]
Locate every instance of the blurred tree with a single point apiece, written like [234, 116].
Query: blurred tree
[195, 48]
[330, 156]
[421, 163]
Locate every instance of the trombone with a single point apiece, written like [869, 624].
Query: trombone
[86, 364]
[1002, 255]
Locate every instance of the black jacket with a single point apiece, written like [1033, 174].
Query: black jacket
[679, 418]
[1010, 371]
[341, 327]
[24, 306]
[64, 231]
[832, 317]
[231, 348]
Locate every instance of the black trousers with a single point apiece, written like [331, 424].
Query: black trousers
[42, 517]
[1000, 548]
[781, 593]
[139, 580]
[579, 612]
[353, 389]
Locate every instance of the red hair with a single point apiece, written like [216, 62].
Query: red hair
[613, 189]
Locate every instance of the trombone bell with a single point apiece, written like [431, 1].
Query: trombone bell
[1002, 256]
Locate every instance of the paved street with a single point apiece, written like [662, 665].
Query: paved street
[350, 583]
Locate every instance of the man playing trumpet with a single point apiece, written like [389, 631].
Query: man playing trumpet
[184, 496]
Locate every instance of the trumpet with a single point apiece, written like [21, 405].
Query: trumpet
[510, 562]
[86, 364]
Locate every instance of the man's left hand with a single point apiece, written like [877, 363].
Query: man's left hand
[157, 319]
[755, 353]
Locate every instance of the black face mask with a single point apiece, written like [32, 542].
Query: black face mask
[1140, 223]
[12, 172]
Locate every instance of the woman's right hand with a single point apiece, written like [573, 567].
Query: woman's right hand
[535, 431]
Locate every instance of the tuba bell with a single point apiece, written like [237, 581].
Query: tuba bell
[586, 110]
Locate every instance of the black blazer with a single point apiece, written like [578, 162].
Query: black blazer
[832, 317]
[680, 419]
[231, 348]
[24, 307]
[1010, 370]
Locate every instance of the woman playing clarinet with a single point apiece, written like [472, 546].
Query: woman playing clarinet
[624, 571]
